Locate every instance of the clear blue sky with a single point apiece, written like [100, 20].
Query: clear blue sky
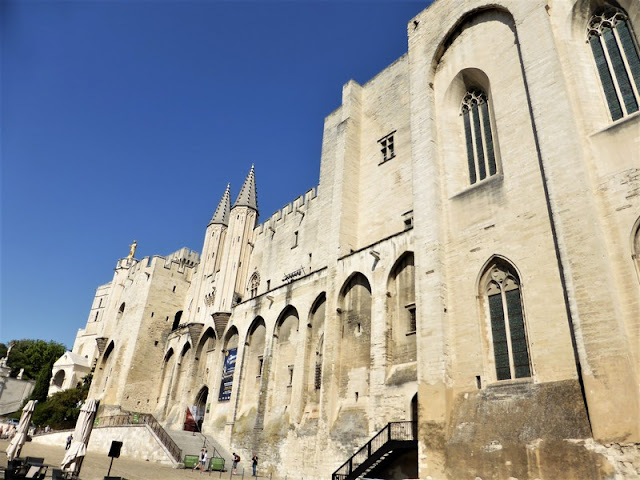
[125, 120]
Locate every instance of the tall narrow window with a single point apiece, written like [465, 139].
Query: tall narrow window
[510, 348]
[616, 55]
[636, 249]
[317, 380]
[479, 138]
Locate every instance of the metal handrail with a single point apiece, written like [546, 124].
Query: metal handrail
[144, 419]
[403, 431]
[215, 453]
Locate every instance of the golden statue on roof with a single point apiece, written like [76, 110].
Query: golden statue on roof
[132, 249]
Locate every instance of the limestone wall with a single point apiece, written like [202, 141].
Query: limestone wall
[138, 442]
[13, 393]
[382, 295]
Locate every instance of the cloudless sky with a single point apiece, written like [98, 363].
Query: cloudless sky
[123, 120]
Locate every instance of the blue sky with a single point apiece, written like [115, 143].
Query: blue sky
[125, 120]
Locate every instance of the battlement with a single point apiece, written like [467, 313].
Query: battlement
[178, 262]
[299, 207]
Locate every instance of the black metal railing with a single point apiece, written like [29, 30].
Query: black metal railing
[205, 441]
[393, 431]
[143, 419]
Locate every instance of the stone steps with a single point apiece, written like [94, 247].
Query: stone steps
[191, 444]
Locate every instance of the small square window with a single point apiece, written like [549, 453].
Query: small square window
[411, 310]
[407, 219]
[387, 147]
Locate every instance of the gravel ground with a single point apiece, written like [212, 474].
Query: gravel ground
[95, 465]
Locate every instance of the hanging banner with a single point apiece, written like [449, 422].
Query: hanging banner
[227, 374]
[189, 420]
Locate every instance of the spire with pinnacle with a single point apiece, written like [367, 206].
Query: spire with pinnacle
[221, 215]
[247, 196]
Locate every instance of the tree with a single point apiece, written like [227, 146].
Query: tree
[33, 356]
[3, 350]
[41, 388]
[61, 410]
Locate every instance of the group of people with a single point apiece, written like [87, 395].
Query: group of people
[254, 463]
[8, 432]
[203, 459]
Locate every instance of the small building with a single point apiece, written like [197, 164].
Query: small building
[68, 370]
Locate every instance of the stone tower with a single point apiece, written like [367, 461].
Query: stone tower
[211, 260]
[238, 244]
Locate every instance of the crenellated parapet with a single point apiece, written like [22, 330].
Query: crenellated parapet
[295, 210]
[181, 262]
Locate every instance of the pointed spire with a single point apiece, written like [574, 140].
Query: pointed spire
[221, 215]
[247, 196]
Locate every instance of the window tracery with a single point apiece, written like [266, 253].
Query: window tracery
[254, 283]
[615, 52]
[481, 157]
[506, 318]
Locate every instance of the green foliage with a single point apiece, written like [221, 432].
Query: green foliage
[33, 356]
[41, 389]
[3, 350]
[61, 410]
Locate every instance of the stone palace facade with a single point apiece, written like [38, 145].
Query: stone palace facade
[470, 261]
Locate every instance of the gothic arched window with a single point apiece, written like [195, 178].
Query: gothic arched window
[479, 139]
[254, 283]
[616, 55]
[508, 335]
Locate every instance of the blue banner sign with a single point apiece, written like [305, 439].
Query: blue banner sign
[226, 383]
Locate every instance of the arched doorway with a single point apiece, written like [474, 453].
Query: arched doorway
[196, 412]
[58, 379]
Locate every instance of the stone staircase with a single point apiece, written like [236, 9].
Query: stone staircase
[191, 444]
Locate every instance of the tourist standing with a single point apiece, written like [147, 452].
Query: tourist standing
[236, 460]
[254, 464]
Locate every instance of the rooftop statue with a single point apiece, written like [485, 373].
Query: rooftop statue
[132, 249]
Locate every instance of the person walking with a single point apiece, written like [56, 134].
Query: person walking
[69, 440]
[205, 460]
[254, 464]
[200, 459]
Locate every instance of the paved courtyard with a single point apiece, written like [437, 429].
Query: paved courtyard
[96, 465]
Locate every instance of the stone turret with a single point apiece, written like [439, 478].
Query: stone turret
[221, 215]
[248, 196]
[215, 236]
[238, 245]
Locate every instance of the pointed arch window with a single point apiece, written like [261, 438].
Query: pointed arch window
[481, 156]
[254, 283]
[508, 334]
[615, 51]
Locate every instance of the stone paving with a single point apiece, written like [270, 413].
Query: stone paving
[95, 466]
